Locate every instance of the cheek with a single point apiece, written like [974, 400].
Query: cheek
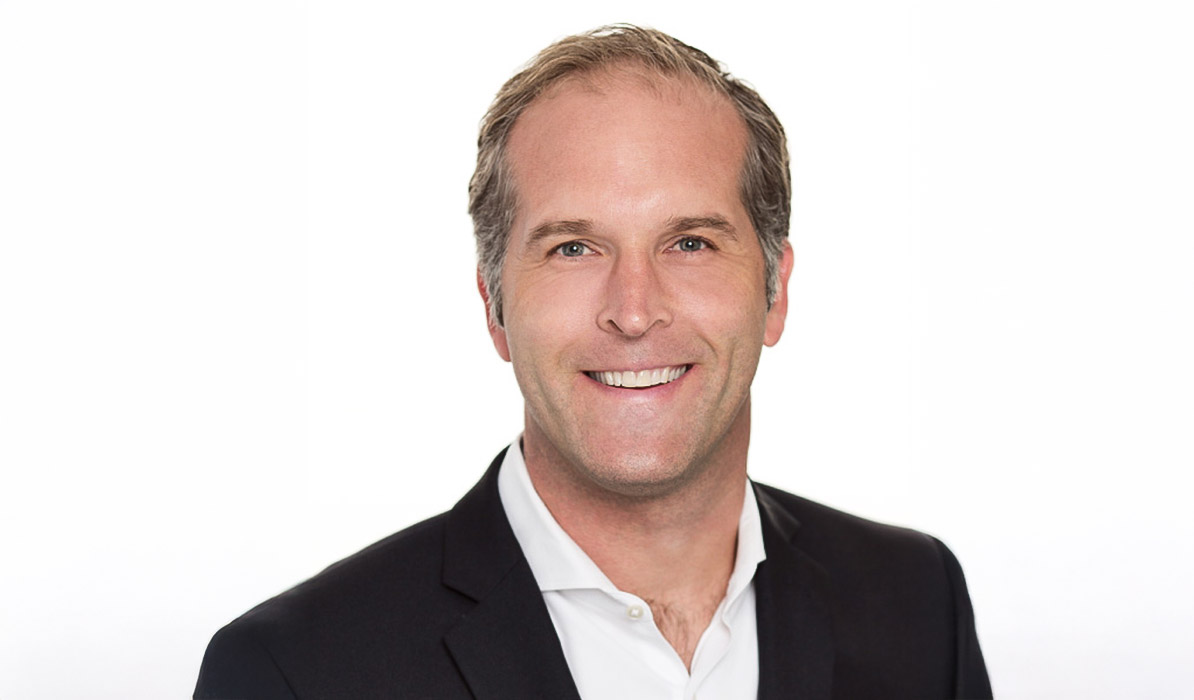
[727, 302]
[546, 317]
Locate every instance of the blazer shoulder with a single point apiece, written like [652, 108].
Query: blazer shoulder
[823, 528]
[410, 559]
[875, 569]
[332, 621]
[897, 594]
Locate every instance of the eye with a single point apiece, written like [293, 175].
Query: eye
[691, 245]
[572, 249]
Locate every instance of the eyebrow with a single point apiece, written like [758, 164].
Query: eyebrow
[691, 223]
[552, 229]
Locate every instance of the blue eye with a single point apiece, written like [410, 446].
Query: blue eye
[575, 249]
[691, 245]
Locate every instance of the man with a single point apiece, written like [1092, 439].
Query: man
[631, 207]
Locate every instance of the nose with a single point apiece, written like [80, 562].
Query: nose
[635, 298]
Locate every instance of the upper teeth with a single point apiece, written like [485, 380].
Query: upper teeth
[641, 378]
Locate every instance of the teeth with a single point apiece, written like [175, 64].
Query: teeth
[640, 379]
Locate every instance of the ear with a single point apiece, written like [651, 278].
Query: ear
[496, 332]
[778, 312]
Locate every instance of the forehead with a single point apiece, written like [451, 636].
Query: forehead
[623, 126]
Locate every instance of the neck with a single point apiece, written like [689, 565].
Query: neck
[663, 549]
[673, 548]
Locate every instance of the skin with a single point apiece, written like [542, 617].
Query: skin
[631, 250]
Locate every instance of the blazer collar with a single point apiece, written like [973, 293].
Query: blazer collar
[506, 646]
[796, 644]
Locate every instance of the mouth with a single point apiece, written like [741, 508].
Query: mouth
[640, 379]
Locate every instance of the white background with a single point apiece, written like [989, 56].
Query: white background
[240, 339]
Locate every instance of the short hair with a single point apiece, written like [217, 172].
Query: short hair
[765, 184]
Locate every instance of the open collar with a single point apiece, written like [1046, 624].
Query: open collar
[559, 564]
[506, 647]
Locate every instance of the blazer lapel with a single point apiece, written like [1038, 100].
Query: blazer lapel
[506, 647]
[796, 645]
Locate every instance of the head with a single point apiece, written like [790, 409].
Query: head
[764, 181]
[631, 204]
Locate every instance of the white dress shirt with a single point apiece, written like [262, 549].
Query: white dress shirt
[609, 637]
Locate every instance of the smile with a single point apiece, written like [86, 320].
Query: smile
[640, 379]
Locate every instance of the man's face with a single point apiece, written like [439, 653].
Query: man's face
[632, 260]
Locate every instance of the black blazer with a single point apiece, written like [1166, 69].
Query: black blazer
[448, 608]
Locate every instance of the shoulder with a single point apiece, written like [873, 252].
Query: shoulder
[407, 561]
[374, 620]
[898, 598]
[843, 541]
[343, 618]
[878, 576]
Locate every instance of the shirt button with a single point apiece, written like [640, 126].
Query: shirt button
[634, 612]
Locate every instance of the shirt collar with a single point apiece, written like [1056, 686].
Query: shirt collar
[558, 563]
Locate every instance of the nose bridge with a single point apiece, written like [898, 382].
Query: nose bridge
[635, 298]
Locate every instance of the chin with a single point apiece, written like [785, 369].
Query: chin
[640, 474]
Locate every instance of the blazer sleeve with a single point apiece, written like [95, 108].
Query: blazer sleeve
[970, 671]
[237, 666]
